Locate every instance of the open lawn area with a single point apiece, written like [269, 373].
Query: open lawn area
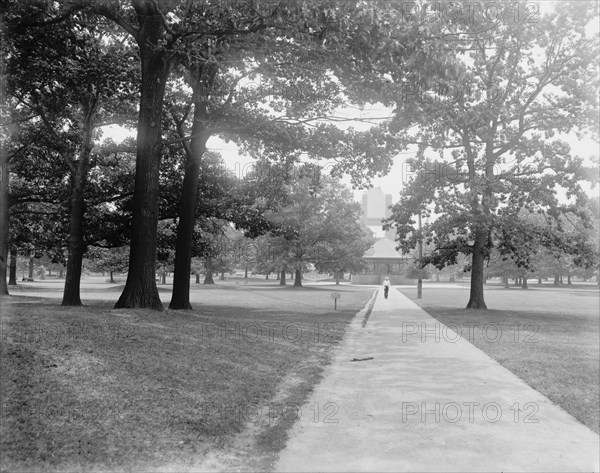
[92, 388]
[548, 336]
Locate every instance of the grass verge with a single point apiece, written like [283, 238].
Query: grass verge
[549, 337]
[92, 388]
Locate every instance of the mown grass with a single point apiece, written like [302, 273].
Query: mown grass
[547, 336]
[94, 388]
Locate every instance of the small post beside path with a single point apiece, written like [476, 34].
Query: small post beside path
[335, 296]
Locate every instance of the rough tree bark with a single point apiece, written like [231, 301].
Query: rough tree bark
[12, 278]
[524, 283]
[298, 278]
[71, 292]
[208, 278]
[481, 234]
[476, 300]
[282, 281]
[4, 219]
[140, 288]
[31, 261]
[4, 182]
[180, 299]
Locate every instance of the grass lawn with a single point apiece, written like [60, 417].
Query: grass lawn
[90, 389]
[547, 336]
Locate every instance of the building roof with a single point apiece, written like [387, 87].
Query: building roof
[383, 249]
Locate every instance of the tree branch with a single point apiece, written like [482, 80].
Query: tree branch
[52, 21]
[106, 12]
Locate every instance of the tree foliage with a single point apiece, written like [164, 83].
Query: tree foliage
[497, 121]
[319, 225]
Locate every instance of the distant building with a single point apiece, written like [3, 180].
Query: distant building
[383, 260]
[376, 207]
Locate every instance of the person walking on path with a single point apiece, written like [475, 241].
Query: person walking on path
[386, 287]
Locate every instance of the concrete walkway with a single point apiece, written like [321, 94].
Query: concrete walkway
[427, 405]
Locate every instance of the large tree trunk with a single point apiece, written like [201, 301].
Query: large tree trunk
[524, 282]
[476, 300]
[140, 288]
[12, 278]
[337, 279]
[246, 272]
[31, 261]
[197, 278]
[71, 292]
[4, 215]
[569, 279]
[222, 276]
[298, 278]
[4, 183]
[282, 281]
[482, 236]
[180, 299]
[208, 278]
[112, 279]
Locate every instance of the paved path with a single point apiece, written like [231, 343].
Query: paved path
[427, 405]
